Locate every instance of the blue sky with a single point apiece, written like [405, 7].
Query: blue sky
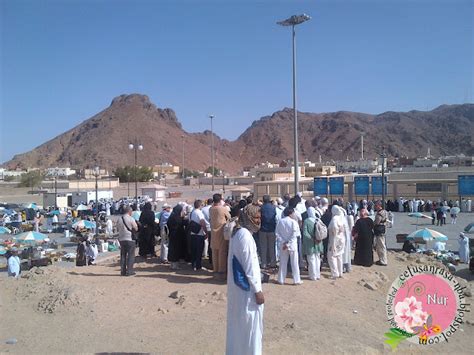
[63, 61]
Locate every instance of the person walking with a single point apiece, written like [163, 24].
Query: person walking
[288, 232]
[126, 226]
[267, 233]
[379, 232]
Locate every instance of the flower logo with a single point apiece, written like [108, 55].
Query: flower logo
[409, 314]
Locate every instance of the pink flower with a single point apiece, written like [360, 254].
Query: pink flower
[409, 314]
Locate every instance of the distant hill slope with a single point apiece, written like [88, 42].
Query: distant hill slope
[103, 139]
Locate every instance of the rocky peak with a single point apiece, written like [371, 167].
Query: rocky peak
[125, 99]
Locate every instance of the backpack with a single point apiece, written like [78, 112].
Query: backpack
[229, 228]
[320, 230]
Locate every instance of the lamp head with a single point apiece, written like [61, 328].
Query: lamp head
[294, 20]
[130, 146]
[140, 147]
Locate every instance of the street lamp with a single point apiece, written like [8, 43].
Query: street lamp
[96, 173]
[128, 184]
[184, 177]
[384, 157]
[293, 21]
[136, 147]
[212, 152]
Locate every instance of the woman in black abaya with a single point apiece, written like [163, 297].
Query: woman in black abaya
[363, 231]
[176, 236]
[146, 238]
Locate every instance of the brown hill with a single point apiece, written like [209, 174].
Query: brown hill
[335, 136]
[103, 139]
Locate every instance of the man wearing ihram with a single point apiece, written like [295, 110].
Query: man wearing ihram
[244, 295]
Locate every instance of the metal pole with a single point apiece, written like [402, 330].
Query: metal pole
[96, 204]
[55, 192]
[128, 184]
[212, 153]
[295, 121]
[136, 182]
[383, 177]
[184, 177]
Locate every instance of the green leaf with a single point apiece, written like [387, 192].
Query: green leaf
[395, 336]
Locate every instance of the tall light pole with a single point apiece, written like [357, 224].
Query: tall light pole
[384, 157]
[96, 173]
[128, 184]
[212, 152]
[55, 191]
[184, 177]
[293, 21]
[136, 147]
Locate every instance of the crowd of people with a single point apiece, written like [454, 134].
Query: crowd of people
[243, 239]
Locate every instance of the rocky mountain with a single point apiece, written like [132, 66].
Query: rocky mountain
[103, 139]
[446, 130]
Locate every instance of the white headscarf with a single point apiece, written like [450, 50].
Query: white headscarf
[337, 231]
[311, 212]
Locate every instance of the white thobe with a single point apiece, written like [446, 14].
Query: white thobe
[287, 232]
[14, 266]
[464, 249]
[346, 258]
[244, 315]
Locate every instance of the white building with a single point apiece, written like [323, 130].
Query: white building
[60, 172]
[14, 173]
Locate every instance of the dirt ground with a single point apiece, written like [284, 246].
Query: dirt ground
[93, 309]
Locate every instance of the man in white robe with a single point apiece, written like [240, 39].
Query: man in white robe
[244, 308]
[464, 248]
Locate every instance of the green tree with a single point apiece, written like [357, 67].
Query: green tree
[127, 173]
[209, 171]
[189, 173]
[31, 179]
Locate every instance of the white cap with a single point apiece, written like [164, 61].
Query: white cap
[279, 200]
[324, 201]
[166, 206]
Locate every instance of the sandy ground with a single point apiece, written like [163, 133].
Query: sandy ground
[93, 309]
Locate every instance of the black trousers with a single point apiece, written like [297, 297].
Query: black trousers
[127, 256]
[197, 248]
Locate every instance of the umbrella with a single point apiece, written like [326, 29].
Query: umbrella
[31, 205]
[5, 230]
[83, 224]
[469, 228]
[2, 250]
[31, 237]
[426, 235]
[419, 215]
[455, 210]
[8, 212]
[82, 208]
[55, 212]
[136, 215]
